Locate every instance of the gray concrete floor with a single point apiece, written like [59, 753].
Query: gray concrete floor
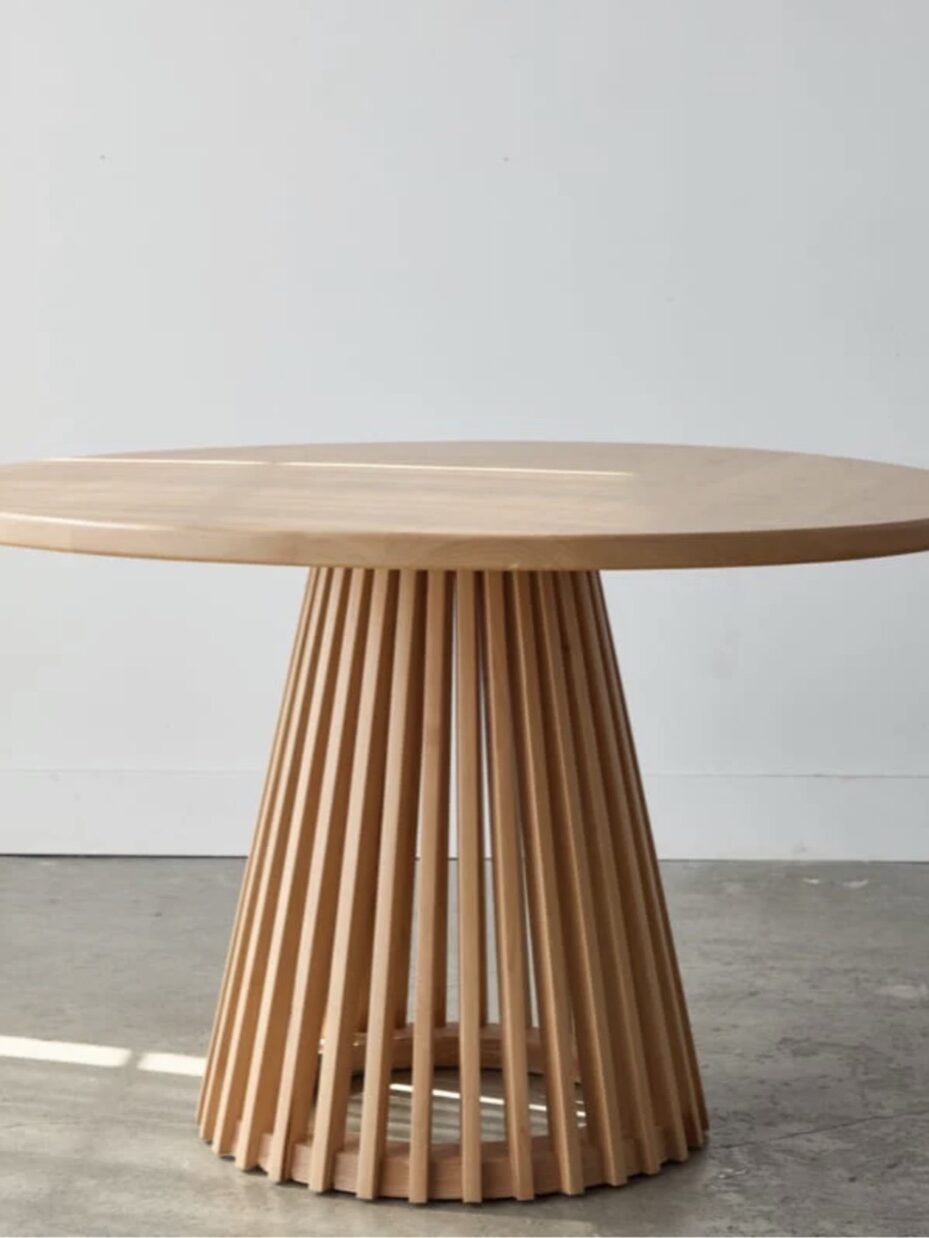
[809, 993]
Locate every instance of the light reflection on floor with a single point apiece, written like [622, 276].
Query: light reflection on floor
[446, 1097]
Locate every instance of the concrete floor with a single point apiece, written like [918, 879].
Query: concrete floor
[808, 989]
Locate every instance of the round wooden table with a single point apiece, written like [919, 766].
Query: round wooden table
[453, 676]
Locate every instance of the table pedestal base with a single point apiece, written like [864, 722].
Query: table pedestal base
[490, 702]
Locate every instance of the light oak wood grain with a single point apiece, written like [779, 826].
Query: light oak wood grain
[471, 911]
[470, 505]
[514, 674]
[396, 855]
[245, 912]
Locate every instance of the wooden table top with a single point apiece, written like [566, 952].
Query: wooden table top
[478, 505]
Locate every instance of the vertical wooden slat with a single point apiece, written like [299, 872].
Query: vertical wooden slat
[403, 935]
[637, 1109]
[357, 885]
[440, 1004]
[433, 846]
[545, 910]
[261, 1091]
[242, 1041]
[691, 1100]
[696, 1119]
[403, 941]
[311, 976]
[524, 924]
[482, 895]
[470, 882]
[235, 959]
[656, 1044]
[396, 848]
[598, 1072]
[507, 887]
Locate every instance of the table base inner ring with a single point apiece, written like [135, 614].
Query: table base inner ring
[478, 714]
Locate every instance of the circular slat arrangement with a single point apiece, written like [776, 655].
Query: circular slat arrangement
[425, 712]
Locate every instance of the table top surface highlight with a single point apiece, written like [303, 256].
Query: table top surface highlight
[460, 505]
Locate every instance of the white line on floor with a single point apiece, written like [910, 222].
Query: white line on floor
[63, 1051]
[172, 1064]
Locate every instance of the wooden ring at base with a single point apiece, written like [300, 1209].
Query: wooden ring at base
[445, 1167]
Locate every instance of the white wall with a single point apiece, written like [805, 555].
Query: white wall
[228, 221]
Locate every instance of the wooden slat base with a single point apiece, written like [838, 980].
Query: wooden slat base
[483, 713]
